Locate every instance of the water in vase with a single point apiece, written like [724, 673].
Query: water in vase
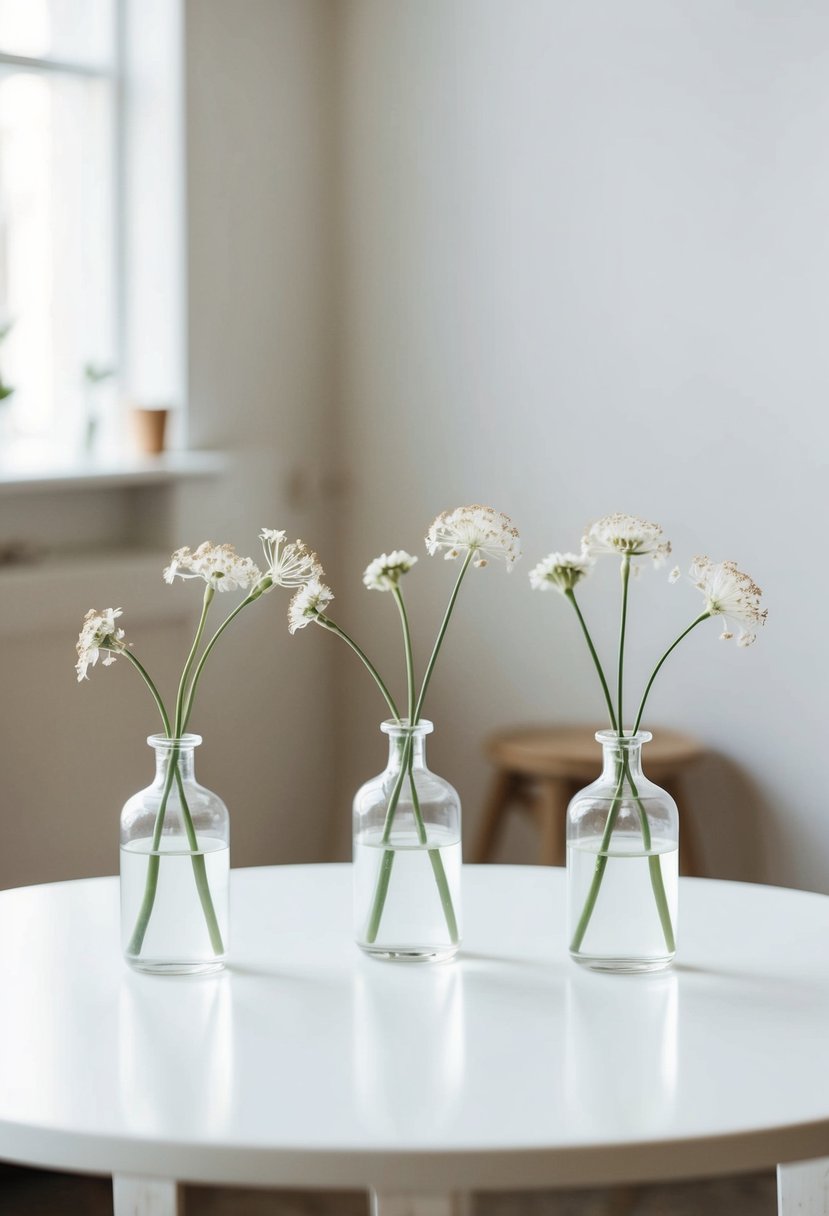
[625, 931]
[414, 922]
[177, 936]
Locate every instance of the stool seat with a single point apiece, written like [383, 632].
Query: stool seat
[572, 751]
[540, 768]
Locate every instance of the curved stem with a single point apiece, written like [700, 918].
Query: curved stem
[150, 684]
[407, 645]
[654, 867]
[326, 623]
[200, 666]
[620, 717]
[384, 875]
[199, 866]
[601, 864]
[208, 597]
[153, 862]
[441, 633]
[602, 857]
[571, 596]
[655, 672]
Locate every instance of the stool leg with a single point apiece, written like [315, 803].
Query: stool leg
[551, 809]
[498, 800]
[688, 860]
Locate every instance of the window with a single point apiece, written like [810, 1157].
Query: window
[91, 223]
[59, 91]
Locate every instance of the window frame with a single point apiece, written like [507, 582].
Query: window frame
[115, 73]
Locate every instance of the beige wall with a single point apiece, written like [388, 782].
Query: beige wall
[586, 268]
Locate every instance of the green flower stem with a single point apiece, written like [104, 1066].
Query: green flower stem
[326, 623]
[206, 654]
[199, 867]
[384, 875]
[151, 884]
[571, 596]
[145, 675]
[620, 717]
[601, 863]
[208, 597]
[407, 646]
[654, 867]
[441, 634]
[704, 617]
[435, 858]
[173, 773]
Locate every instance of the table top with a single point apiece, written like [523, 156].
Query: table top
[307, 1063]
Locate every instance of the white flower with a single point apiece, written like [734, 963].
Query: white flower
[99, 633]
[291, 565]
[383, 574]
[308, 603]
[478, 529]
[626, 535]
[560, 570]
[675, 575]
[730, 594]
[220, 566]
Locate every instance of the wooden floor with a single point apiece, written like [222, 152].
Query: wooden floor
[32, 1193]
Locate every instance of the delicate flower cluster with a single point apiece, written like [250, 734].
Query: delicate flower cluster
[220, 566]
[476, 529]
[309, 602]
[626, 535]
[99, 633]
[384, 573]
[731, 594]
[561, 571]
[291, 565]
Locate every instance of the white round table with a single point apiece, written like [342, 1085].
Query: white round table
[308, 1064]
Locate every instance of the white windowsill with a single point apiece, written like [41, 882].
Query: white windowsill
[98, 474]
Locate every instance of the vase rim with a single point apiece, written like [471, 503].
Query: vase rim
[422, 727]
[162, 741]
[611, 737]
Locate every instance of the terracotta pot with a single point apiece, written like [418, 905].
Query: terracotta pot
[149, 427]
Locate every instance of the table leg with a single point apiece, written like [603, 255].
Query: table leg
[389, 1203]
[803, 1188]
[146, 1197]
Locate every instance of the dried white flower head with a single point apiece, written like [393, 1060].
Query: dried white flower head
[220, 566]
[731, 594]
[481, 530]
[308, 603]
[675, 575]
[561, 571]
[626, 535]
[291, 565]
[99, 633]
[384, 573]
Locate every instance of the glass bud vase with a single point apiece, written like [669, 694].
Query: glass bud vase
[175, 862]
[622, 865]
[407, 855]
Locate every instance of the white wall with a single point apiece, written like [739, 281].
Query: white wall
[586, 257]
[259, 170]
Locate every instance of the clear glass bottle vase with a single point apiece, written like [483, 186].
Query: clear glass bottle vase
[407, 855]
[175, 863]
[622, 865]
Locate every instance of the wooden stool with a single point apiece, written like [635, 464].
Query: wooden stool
[542, 767]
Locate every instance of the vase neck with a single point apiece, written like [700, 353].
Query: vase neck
[404, 738]
[181, 750]
[622, 756]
